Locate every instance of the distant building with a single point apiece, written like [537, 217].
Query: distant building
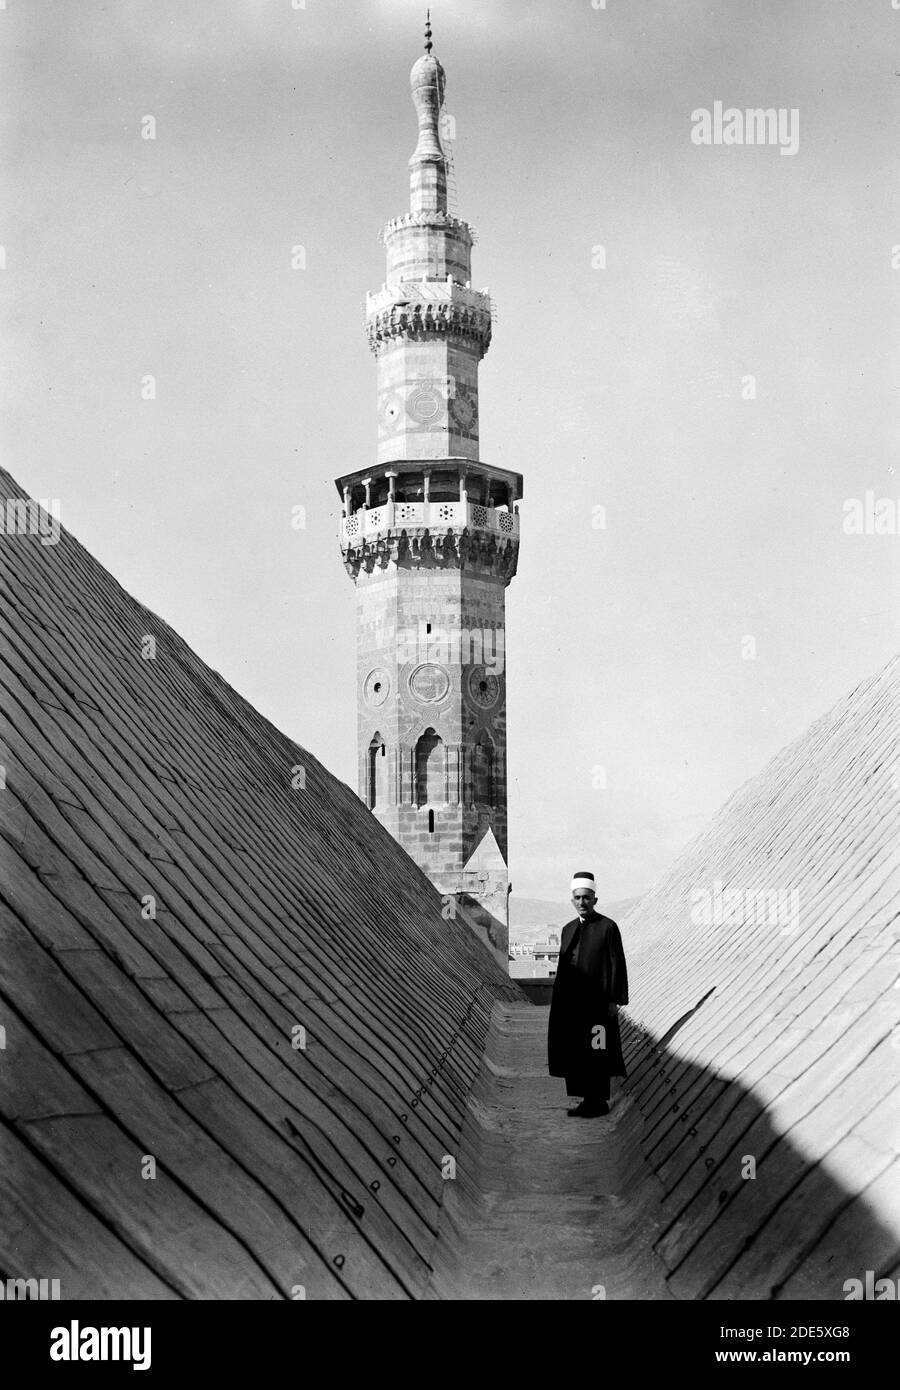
[534, 959]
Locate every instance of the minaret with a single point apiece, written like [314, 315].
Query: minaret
[430, 537]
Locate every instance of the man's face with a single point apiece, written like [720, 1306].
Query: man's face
[584, 900]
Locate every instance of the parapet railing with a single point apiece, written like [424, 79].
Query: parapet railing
[369, 521]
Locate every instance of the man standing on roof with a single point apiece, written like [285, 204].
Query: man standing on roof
[583, 1042]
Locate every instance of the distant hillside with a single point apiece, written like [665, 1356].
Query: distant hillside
[530, 917]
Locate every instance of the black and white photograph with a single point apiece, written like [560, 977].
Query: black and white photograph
[449, 676]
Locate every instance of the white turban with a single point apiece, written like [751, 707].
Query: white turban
[583, 879]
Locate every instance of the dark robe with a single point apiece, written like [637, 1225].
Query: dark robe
[590, 976]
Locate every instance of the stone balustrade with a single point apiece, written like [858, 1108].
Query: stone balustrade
[435, 516]
[426, 291]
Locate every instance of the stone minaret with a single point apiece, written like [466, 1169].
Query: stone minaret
[430, 537]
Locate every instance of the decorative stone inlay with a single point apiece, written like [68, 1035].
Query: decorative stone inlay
[429, 683]
[408, 511]
[463, 410]
[377, 687]
[484, 687]
[390, 411]
[425, 405]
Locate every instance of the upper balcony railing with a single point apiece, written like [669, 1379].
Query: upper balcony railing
[436, 292]
[436, 516]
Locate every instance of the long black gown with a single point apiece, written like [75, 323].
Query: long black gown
[590, 976]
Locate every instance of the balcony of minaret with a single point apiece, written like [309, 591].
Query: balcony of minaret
[428, 245]
[405, 512]
[414, 309]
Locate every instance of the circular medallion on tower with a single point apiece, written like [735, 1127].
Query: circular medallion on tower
[425, 405]
[463, 411]
[376, 687]
[484, 687]
[390, 411]
[429, 683]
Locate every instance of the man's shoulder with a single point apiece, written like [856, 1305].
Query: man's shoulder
[607, 928]
[598, 919]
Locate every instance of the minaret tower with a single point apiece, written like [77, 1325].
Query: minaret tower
[430, 537]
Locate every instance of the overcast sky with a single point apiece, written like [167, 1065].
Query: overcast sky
[622, 388]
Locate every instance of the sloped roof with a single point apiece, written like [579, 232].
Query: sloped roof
[166, 1030]
[767, 1033]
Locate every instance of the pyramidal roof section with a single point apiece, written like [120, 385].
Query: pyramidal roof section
[217, 971]
[766, 962]
[486, 855]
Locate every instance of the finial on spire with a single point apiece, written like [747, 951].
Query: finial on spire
[428, 44]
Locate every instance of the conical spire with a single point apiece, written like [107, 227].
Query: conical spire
[428, 167]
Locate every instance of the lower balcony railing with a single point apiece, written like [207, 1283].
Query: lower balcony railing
[436, 516]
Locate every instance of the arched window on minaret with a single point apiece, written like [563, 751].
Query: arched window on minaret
[483, 771]
[376, 778]
[429, 769]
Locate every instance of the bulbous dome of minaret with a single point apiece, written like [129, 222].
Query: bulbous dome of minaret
[427, 72]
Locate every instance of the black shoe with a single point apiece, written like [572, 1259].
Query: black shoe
[591, 1112]
[577, 1110]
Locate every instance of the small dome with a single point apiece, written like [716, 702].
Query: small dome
[427, 72]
